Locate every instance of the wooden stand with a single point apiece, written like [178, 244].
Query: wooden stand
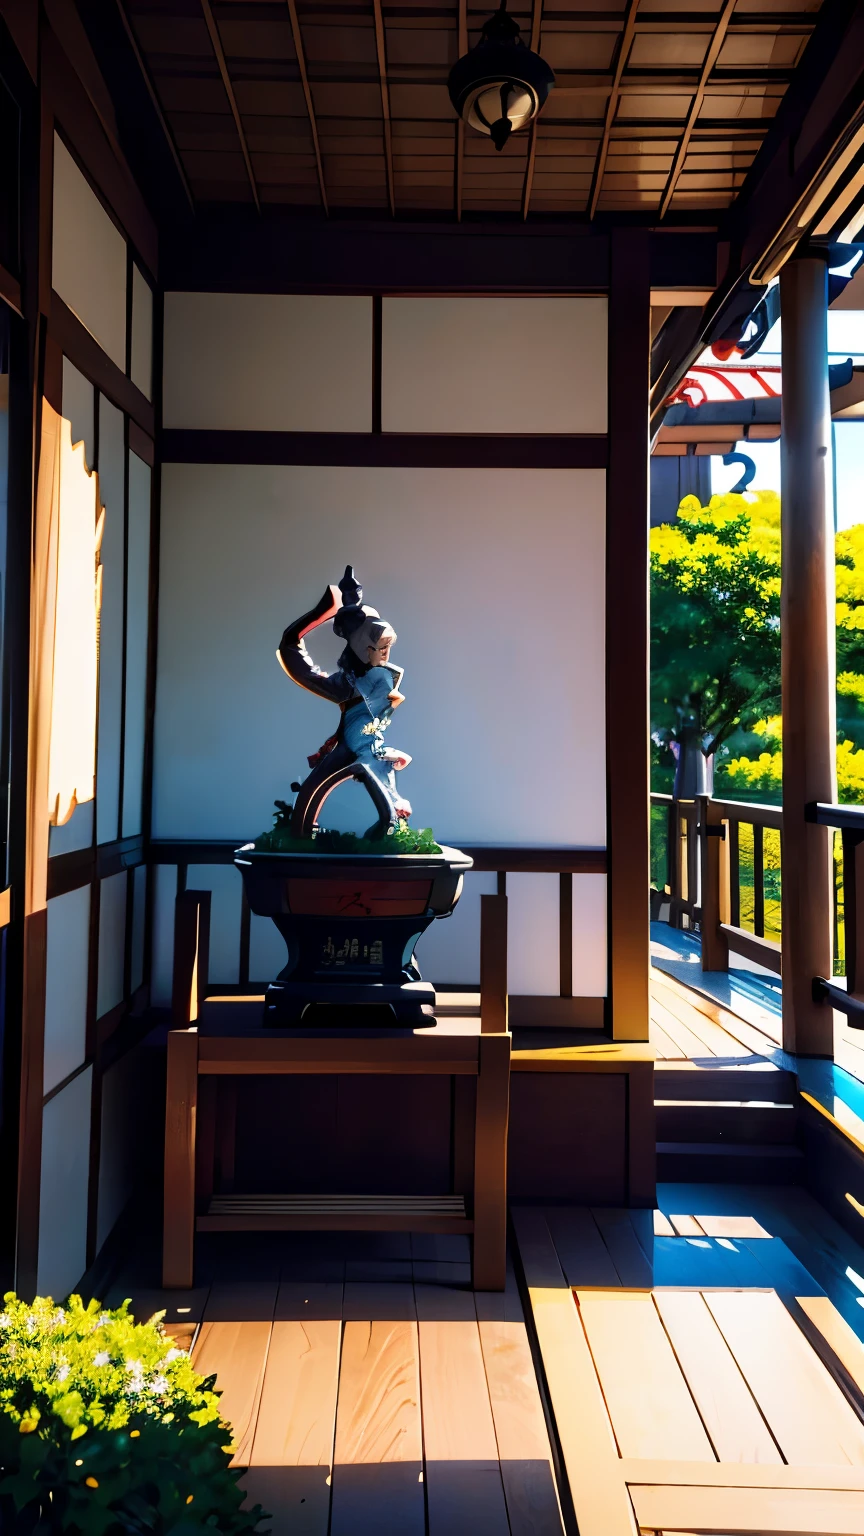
[192, 1056]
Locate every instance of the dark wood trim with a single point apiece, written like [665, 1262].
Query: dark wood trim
[84, 351]
[69, 871]
[70, 1077]
[377, 359]
[565, 932]
[402, 450]
[461, 50]
[52, 382]
[157, 105]
[627, 711]
[121, 788]
[245, 939]
[10, 290]
[628, 33]
[709, 61]
[142, 444]
[493, 964]
[103, 161]
[30, 1115]
[381, 51]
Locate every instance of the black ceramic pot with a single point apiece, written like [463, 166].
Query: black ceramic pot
[351, 923]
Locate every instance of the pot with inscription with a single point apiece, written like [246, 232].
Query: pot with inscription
[351, 923]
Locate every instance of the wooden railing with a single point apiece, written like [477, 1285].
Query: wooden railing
[703, 885]
[849, 820]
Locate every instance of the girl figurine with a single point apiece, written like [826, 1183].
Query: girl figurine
[366, 687]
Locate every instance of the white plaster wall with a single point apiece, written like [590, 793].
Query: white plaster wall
[268, 362]
[224, 883]
[64, 1182]
[494, 581]
[112, 474]
[141, 361]
[494, 365]
[139, 921]
[66, 985]
[89, 257]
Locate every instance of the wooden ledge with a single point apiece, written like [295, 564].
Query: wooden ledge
[616, 1056]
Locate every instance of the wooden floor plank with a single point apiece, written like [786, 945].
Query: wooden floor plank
[807, 1413]
[663, 1043]
[742, 1033]
[520, 1431]
[236, 1354]
[756, 1511]
[679, 1031]
[649, 1403]
[836, 1332]
[736, 1428]
[464, 1491]
[626, 1251]
[292, 1452]
[378, 1463]
[732, 1226]
[241, 1301]
[715, 1037]
[584, 1257]
[377, 1301]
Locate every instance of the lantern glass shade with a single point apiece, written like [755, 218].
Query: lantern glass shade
[497, 102]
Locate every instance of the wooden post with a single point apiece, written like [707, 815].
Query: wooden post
[808, 652]
[181, 1104]
[853, 910]
[490, 1163]
[627, 711]
[713, 855]
[493, 965]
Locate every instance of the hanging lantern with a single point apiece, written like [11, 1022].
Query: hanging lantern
[500, 86]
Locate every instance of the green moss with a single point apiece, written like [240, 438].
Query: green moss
[404, 840]
[105, 1429]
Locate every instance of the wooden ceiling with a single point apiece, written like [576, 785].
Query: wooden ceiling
[659, 106]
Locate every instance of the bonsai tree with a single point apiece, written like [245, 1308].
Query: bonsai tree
[715, 621]
[105, 1429]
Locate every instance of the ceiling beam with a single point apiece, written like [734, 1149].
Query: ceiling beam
[461, 50]
[711, 57]
[307, 95]
[536, 23]
[626, 44]
[229, 92]
[381, 46]
[157, 105]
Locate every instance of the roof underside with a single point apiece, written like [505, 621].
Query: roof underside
[659, 107]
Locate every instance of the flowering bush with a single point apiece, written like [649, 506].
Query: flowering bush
[105, 1428]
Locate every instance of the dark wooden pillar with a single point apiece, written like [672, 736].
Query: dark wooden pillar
[809, 651]
[627, 711]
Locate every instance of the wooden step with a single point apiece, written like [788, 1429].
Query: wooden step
[683, 1080]
[707, 1162]
[334, 1213]
[715, 1121]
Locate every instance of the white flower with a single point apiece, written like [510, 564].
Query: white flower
[62, 1372]
[173, 1354]
[371, 728]
[136, 1376]
[31, 1323]
[59, 1318]
[159, 1384]
[103, 1358]
[104, 1317]
[5, 1320]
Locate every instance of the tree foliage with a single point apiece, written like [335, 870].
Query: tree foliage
[715, 618]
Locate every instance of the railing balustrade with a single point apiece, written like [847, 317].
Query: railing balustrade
[849, 821]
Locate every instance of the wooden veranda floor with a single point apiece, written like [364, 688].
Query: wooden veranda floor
[687, 1026]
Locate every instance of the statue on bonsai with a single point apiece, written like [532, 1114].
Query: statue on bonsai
[366, 687]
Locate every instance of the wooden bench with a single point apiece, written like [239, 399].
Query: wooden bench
[199, 1057]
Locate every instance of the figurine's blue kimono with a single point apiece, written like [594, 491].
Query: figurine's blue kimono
[366, 687]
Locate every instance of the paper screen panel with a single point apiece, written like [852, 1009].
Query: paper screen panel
[88, 257]
[64, 1186]
[66, 980]
[139, 920]
[112, 943]
[589, 936]
[268, 362]
[141, 364]
[533, 963]
[137, 602]
[112, 475]
[164, 900]
[494, 365]
[494, 581]
[449, 951]
[226, 888]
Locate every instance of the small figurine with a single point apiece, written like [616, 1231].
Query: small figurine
[366, 687]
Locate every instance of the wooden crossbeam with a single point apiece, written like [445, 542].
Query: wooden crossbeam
[461, 49]
[307, 96]
[626, 44]
[216, 40]
[381, 46]
[696, 104]
[536, 22]
[157, 105]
